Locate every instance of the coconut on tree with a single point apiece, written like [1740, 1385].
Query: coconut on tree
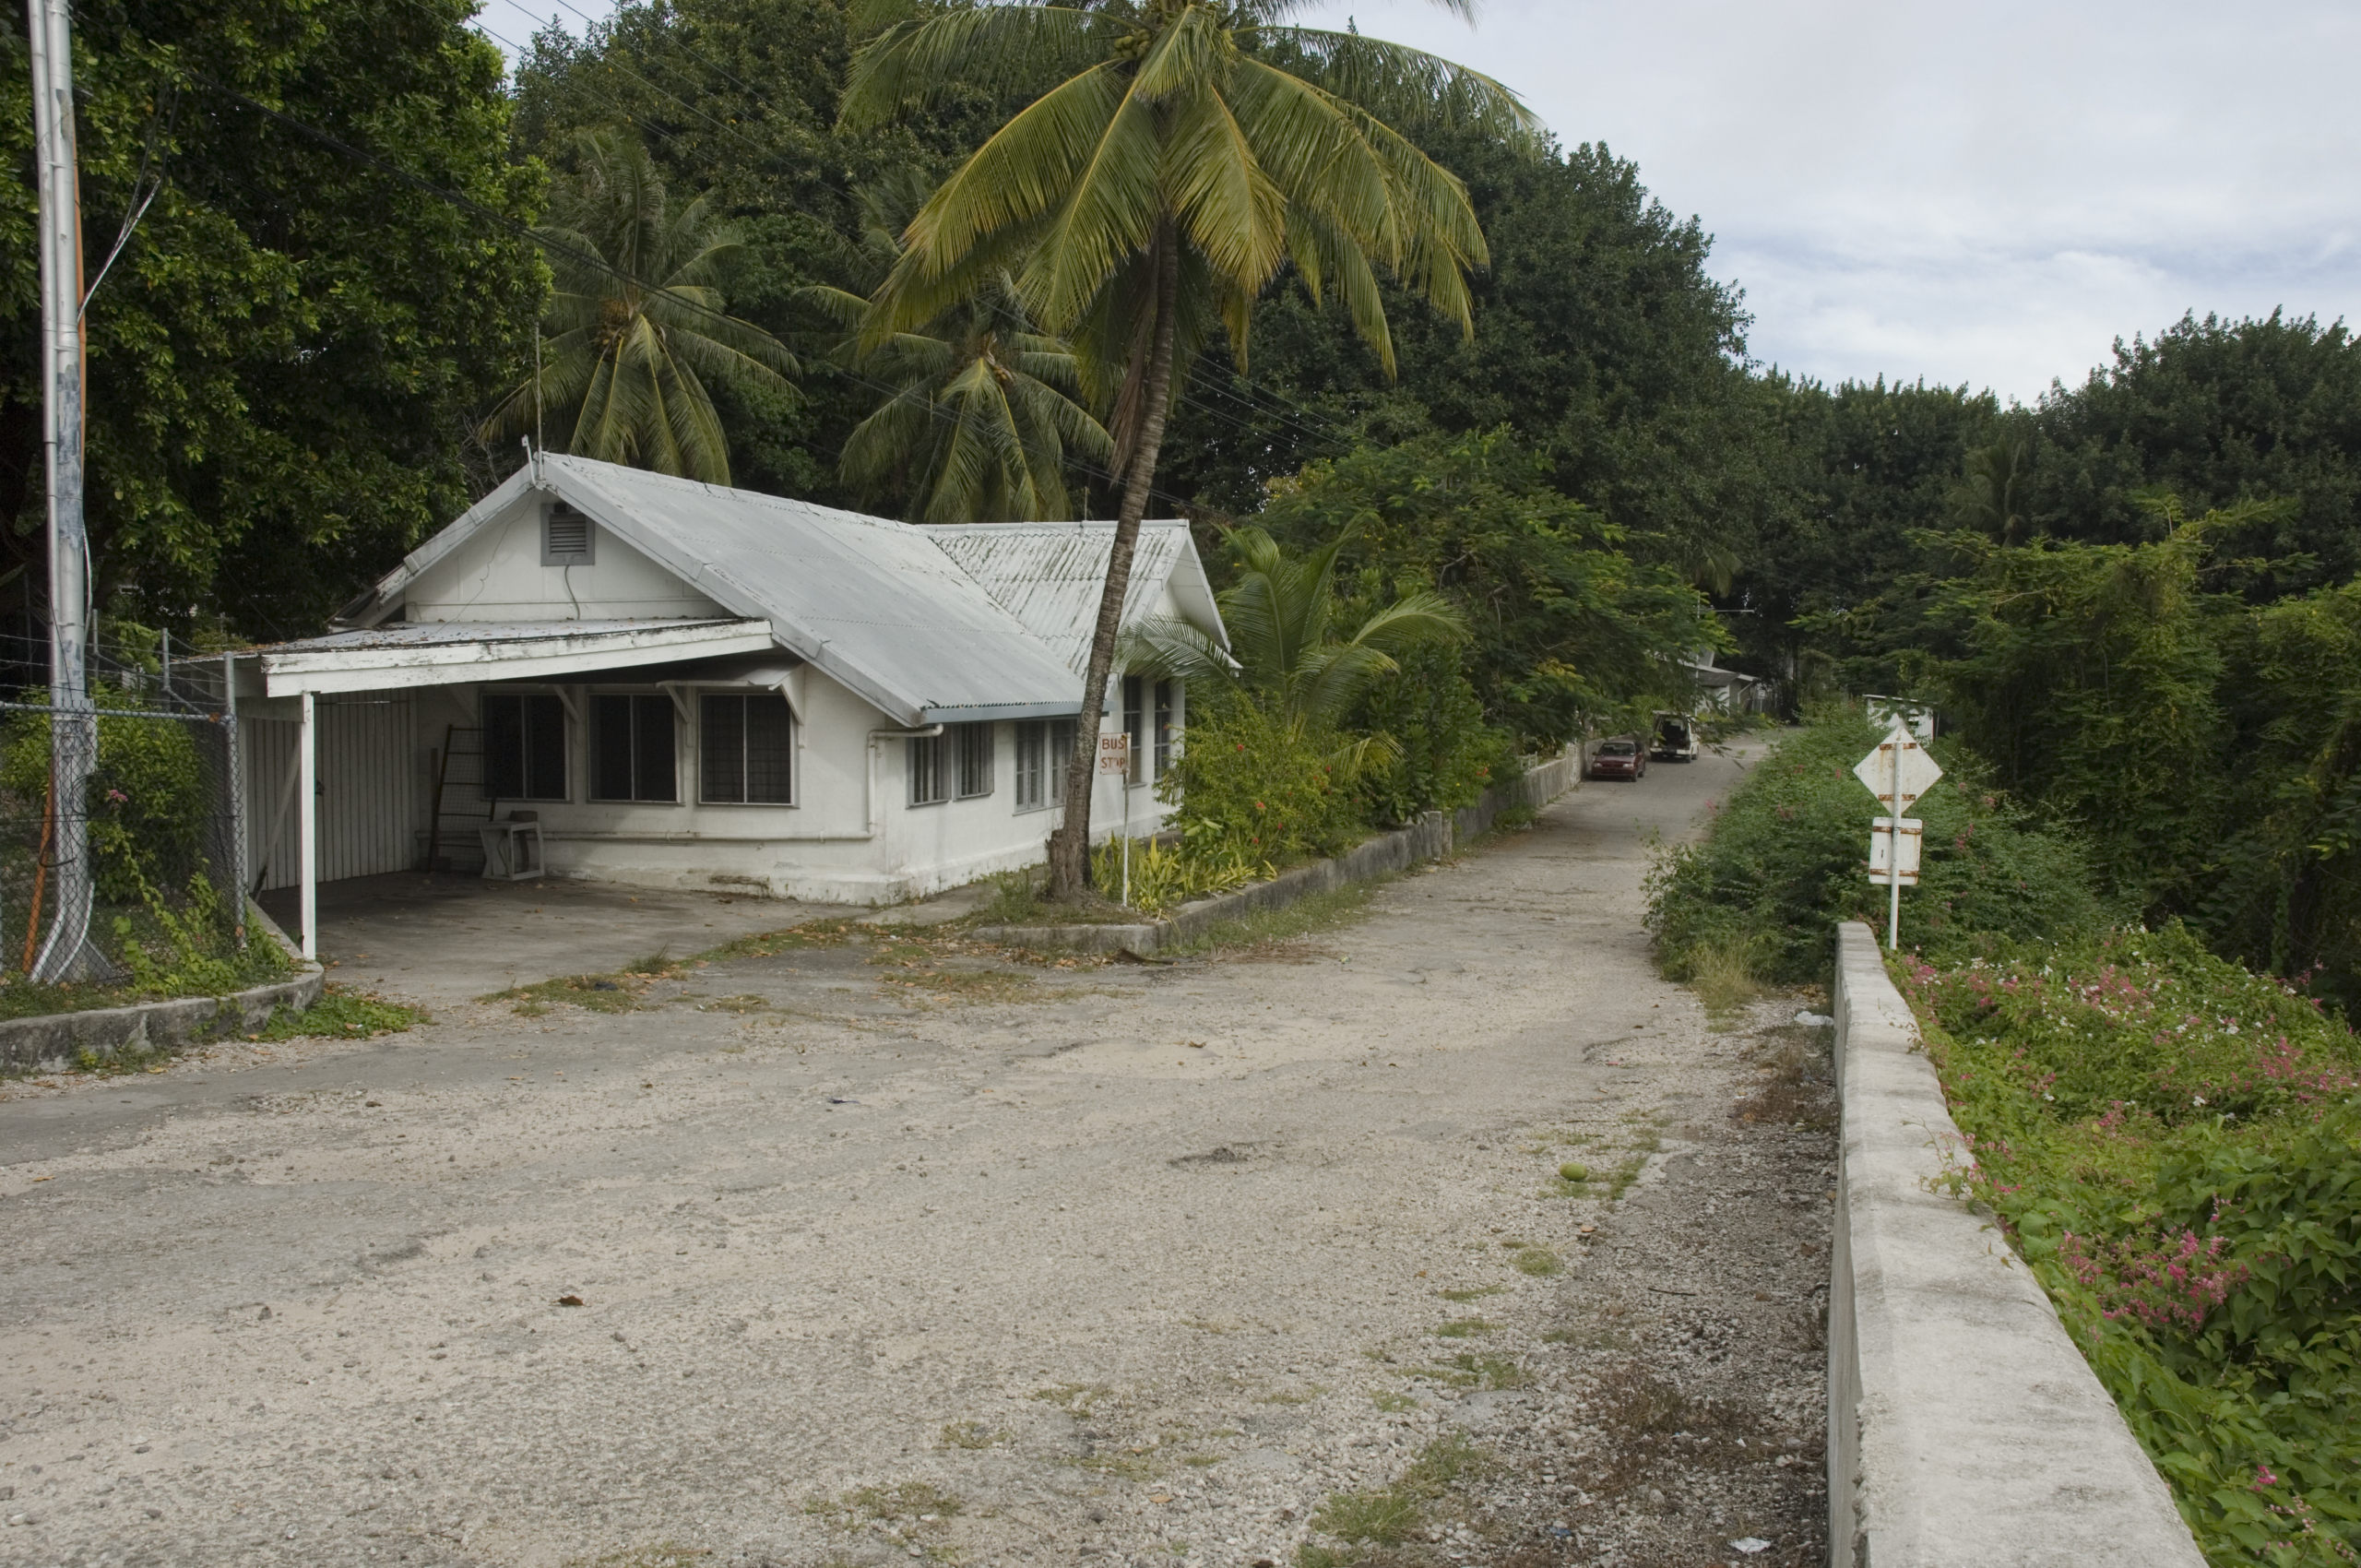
[635, 331]
[1175, 156]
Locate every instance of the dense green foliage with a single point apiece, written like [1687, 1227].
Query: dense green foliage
[2173, 1145]
[1569, 631]
[286, 358]
[636, 332]
[1250, 785]
[1787, 857]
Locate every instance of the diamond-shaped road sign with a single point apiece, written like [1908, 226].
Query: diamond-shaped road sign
[1909, 775]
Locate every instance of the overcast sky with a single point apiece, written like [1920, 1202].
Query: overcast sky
[1989, 194]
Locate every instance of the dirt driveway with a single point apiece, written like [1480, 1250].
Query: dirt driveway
[862, 1249]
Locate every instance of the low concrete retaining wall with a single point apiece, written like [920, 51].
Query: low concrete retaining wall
[1964, 1427]
[54, 1043]
[1428, 838]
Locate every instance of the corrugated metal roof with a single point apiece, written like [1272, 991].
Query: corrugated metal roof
[1049, 574]
[924, 623]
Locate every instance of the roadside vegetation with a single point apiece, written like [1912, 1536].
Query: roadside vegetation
[2170, 1139]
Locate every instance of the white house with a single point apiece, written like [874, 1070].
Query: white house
[679, 684]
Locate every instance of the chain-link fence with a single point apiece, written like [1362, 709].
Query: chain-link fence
[160, 897]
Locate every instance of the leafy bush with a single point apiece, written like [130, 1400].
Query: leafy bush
[1786, 856]
[1248, 784]
[2173, 1145]
[1164, 876]
[1449, 756]
[147, 801]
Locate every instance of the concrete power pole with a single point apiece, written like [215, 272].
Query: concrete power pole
[74, 735]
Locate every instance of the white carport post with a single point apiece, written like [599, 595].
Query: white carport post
[307, 826]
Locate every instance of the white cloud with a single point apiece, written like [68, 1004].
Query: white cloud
[1989, 194]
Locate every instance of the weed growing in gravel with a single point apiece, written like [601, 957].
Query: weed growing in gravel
[1472, 1293]
[1390, 1515]
[769, 944]
[1468, 1369]
[969, 1434]
[342, 1015]
[1393, 1403]
[1304, 1395]
[1722, 973]
[1464, 1328]
[909, 1500]
[1538, 1261]
[618, 992]
[665, 1555]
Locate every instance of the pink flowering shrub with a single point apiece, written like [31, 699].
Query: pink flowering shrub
[2173, 1147]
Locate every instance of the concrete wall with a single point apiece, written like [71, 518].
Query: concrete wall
[1964, 1427]
[1535, 787]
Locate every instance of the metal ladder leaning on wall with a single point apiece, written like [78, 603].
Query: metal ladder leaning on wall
[458, 790]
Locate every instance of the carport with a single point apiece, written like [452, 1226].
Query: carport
[385, 665]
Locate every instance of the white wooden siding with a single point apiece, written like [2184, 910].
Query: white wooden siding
[372, 794]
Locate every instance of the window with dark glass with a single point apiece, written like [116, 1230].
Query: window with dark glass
[1163, 727]
[745, 750]
[930, 769]
[631, 749]
[975, 746]
[524, 747]
[1134, 728]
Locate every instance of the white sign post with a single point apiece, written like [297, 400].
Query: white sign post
[1115, 758]
[1897, 773]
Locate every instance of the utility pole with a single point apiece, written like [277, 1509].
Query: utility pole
[74, 734]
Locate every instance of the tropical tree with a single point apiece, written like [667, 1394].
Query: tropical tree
[1992, 499]
[635, 325]
[1291, 652]
[1178, 153]
[983, 417]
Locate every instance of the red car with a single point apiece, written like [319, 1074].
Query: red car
[1618, 759]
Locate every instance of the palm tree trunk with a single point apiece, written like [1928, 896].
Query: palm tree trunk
[1070, 846]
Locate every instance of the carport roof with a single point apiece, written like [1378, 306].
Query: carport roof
[435, 653]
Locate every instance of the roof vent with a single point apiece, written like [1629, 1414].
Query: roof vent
[565, 536]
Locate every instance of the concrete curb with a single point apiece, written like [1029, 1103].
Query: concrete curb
[53, 1043]
[1430, 838]
[1963, 1426]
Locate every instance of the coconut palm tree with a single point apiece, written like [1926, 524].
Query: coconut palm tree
[1290, 651]
[1992, 495]
[1178, 153]
[983, 417]
[635, 329]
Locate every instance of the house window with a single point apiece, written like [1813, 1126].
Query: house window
[974, 759]
[1044, 747]
[631, 749]
[1163, 727]
[745, 750]
[524, 747]
[930, 769]
[1134, 728]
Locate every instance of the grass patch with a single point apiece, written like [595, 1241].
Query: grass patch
[1538, 1261]
[342, 1015]
[1074, 1399]
[908, 1500]
[1393, 1403]
[1307, 916]
[617, 992]
[1310, 1392]
[969, 1434]
[770, 944]
[1468, 1369]
[1472, 1293]
[1393, 1514]
[1464, 1328]
[663, 1555]
[968, 985]
[1721, 971]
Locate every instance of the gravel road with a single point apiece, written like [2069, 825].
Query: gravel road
[874, 1248]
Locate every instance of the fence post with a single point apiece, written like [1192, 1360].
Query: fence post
[237, 793]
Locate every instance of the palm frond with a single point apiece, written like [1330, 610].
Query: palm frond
[1000, 50]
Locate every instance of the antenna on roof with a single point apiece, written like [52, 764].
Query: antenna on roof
[532, 455]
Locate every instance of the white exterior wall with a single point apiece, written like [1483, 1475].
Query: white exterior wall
[373, 789]
[499, 577]
[852, 837]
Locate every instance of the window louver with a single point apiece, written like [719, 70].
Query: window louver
[565, 537]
